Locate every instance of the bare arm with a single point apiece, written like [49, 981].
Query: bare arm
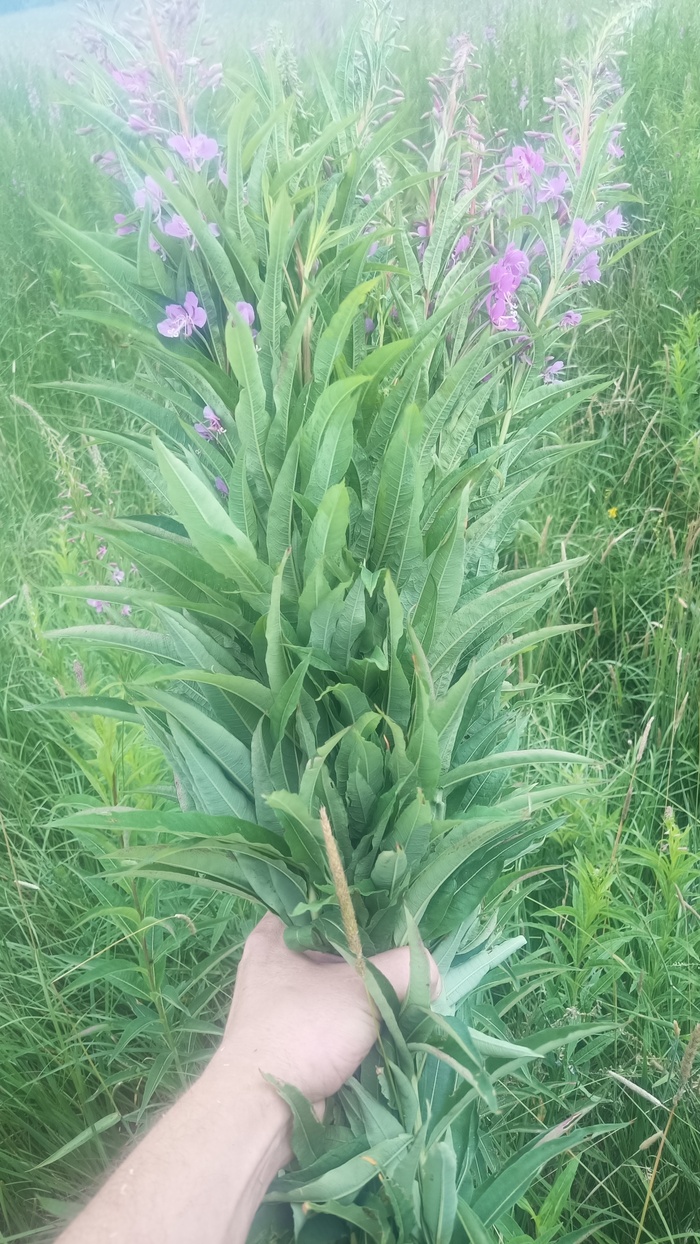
[203, 1169]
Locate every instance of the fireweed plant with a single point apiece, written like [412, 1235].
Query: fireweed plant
[354, 366]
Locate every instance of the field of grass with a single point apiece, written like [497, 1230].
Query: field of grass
[97, 1027]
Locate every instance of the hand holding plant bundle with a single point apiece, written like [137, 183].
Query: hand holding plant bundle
[350, 393]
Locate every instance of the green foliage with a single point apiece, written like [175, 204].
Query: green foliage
[602, 683]
[335, 640]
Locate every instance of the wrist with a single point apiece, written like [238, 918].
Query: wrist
[233, 1079]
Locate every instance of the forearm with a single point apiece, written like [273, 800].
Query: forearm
[202, 1170]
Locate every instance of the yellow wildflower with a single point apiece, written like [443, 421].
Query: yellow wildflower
[612, 512]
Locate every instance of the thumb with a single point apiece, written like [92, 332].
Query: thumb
[396, 966]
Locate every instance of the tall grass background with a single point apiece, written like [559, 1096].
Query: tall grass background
[98, 1025]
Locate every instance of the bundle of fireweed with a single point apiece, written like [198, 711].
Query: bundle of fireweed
[350, 391]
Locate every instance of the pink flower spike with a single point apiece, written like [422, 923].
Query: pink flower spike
[149, 193]
[155, 246]
[461, 246]
[205, 148]
[570, 319]
[585, 235]
[177, 227]
[614, 222]
[181, 321]
[123, 226]
[369, 325]
[180, 144]
[194, 151]
[553, 189]
[221, 485]
[215, 424]
[589, 268]
[550, 375]
[247, 311]
[203, 430]
[101, 552]
[522, 163]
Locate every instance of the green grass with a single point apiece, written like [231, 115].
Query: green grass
[101, 1014]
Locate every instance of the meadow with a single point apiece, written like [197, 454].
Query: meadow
[99, 1024]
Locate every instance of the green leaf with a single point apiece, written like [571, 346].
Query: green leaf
[281, 512]
[119, 273]
[286, 700]
[500, 1192]
[276, 660]
[95, 705]
[89, 1133]
[347, 1179]
[395, 540]
[333, 338]
[327, 440]
[223, 747]
[438, 1185]
[477, 1233]
[252, 417]
[217, 538]
[236, 218]
[326, 538]
[271, 307]
[308, 1134]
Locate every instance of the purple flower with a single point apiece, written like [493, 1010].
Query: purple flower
[177, 227]
[614, 148]
[101, 552]
[215, 424]
[372, 250]
[522, 163]
[221, 485]
[550, 375]
[507, 273]
[369, 325]
[182, 320]
[501, 311]
[98, 605]
[585, 235]
[570, 319]
[118, 575]
[125, 611]
[140, 125]
[155, 246]
[614, 222]
[123, 226]
[247, 311]
[149, 194]
[135, 82]
[589, 268]
[194, 151]
[461, 246]
[203, 430]
[553, 189]
[108, 162]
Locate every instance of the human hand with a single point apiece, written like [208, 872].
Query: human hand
[305, 1019]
